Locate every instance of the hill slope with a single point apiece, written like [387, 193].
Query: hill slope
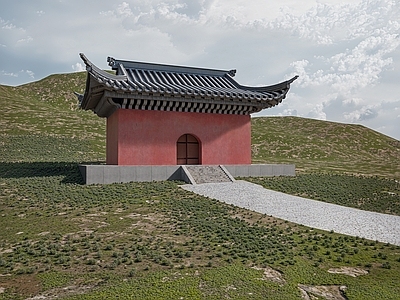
[49, 107]
[48, 110]
[315, 145]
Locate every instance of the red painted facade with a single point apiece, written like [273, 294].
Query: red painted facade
[149, 137]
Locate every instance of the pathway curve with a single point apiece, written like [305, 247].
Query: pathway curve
[312, 213]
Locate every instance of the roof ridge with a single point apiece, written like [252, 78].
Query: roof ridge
[128, 64]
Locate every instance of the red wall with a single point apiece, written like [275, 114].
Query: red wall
[145, 137]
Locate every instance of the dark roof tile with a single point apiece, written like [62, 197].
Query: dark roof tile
[132, 79]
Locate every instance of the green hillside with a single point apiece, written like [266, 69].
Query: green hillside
[314, 145]
[49, 109]
[62, 239]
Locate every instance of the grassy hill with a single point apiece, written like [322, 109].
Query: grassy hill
[314, 145]
[61, 238]
[49, 108]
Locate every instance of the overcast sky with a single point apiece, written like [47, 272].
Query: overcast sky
[347, 53]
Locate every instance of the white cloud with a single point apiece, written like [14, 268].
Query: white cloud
[317, 112]
[78, 67]
[5, 73]
[362, 114]
[124, 10]
[289, 112]
[26, 40]
[30, 73]
[6, 25]
[24, 75]
[345, 78]
[18, 74]
[11, 35]
[353, 69]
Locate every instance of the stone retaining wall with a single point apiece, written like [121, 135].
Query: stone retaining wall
[103, 174]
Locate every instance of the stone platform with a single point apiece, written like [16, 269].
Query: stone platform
[104, 174]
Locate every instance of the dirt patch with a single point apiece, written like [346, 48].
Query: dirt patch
[149, 222]
[25, 285]
[353, 272]
[63, 292]
[87, 223]
[271, 275]
[6, 251]
[43, 233]
[100, 214]
[328, 292]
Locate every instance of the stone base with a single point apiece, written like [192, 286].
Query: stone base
[103, 174]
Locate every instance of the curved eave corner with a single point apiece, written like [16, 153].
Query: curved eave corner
[285, 86]
[282, 86]
[280, 90]
[101, 81]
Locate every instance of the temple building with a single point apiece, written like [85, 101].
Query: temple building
[175, 115]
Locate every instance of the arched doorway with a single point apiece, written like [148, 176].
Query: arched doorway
[188, 150]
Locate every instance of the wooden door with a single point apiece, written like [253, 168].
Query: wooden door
[188, 150]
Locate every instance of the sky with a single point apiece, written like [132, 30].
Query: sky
[347, 53]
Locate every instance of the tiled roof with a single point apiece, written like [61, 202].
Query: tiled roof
[139, 85]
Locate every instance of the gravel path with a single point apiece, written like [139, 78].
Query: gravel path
[312, 213]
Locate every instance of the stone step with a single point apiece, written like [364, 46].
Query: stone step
[208, 174]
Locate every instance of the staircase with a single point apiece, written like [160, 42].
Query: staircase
[209, 174]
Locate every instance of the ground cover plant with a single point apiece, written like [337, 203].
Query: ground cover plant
[149, 240]
[62, 239]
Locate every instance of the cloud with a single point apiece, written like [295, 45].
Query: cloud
[25, 75]
[5, 25]
[368, 114]
[4, 73]
[78, 67]
[317, 112]
[29, 73]
[354, 51]
[11, 35]
[26, 40]
[365, 113]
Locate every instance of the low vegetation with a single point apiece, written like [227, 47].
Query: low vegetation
[62, 239]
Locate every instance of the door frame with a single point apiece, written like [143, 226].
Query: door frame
[189, 140]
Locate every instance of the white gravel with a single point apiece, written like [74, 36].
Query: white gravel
[312, 213]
